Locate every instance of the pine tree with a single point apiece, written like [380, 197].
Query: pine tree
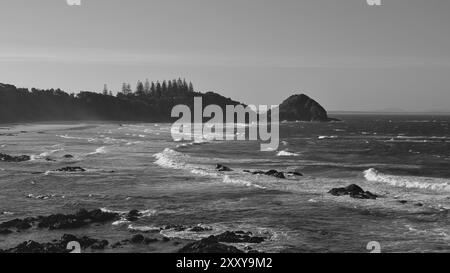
[158, 89]
[105, 89]
[147, 87]
[164, 88]
[191, 87]
[153, 89]
[139, 88]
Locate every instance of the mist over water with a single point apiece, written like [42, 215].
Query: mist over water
[139, 166]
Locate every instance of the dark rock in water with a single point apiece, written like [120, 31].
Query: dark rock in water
[71, 169]
[200, 229]
[5, 231]
[276, 174]
[222, 168]
[403, 201]
[68, 156]
[255, 172]
[10, 158]
[133, 215]
[148, 241]
[354, 191]
[302, 108]
[273, 173]
[418, 204]
[137, 239]
[19, 224]
[62, 221]
[238, 237]
[208, 245]
[175, 227]
[57, 246]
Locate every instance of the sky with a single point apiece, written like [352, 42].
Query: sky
[346, 54]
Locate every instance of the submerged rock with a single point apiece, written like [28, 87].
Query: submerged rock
[222, 168]
[71, 169]
[295, 173]
[57, 246]
[68, 156]
[238, 237]
[62, 221]
[273, 173]
[208, 245]
[354, 191]
[10, 158]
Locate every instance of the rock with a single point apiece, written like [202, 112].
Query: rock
[402, 201]
[208, 245]
[222, 168]
[71, 169]
[238, 237]
[273, 173]
[137, 239]
[302, 108]
[354, 191]
[9, 158]
[295, 173]
[133, 215]
[19, 224]
[200, 229]
[5, 231]
[57, 246]
[418, 204]
[62, 221]
[148, 241]
[175, 227]
[68, 156]
[276, 174]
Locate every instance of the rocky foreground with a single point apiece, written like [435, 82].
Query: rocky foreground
[219, 243]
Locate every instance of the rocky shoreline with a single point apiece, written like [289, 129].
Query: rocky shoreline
[219, 243]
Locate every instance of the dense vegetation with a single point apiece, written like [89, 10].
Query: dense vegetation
[151, 102]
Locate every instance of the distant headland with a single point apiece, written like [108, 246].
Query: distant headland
[149, 102]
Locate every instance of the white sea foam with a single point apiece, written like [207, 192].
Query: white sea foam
[227, 179]
[44, 154]
[427, 183]
[100, 150]
[286, 153]
[327, 137]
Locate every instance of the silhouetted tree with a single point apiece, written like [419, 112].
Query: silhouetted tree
[139, 88]
[105, 89]
[147, 87]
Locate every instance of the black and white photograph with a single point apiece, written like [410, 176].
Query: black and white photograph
[229, 127]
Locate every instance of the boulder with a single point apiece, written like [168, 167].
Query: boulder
[57, 246]
[70, 169]
[353, 191]
[208, 245]
[62, 221]
[10, 158]
[222, 168]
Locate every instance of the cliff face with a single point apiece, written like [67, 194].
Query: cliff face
[303, 108]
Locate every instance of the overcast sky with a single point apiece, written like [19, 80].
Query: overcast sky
[345, 54]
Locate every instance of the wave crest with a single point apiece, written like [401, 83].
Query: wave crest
[426, 183]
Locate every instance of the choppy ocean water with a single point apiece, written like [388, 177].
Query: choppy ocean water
[139, 166]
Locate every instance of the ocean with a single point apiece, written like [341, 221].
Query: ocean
[405, 159]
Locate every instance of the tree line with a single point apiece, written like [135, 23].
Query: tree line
[157, 89]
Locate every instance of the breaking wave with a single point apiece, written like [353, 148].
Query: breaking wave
[426, 183]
